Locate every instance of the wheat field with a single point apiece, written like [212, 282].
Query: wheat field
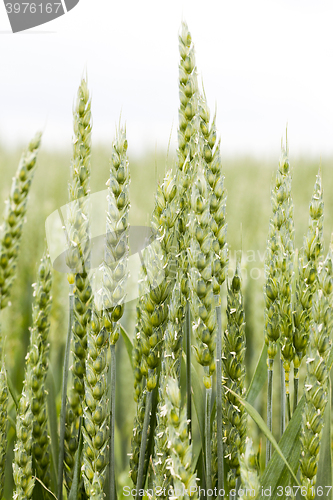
[179, 393]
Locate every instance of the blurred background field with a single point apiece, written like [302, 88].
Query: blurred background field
[248, 181]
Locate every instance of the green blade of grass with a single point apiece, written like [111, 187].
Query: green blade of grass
[53, 421]
[199, 403]
[261, 424]
[11, 389]
[128, 344]
[73, 494]
[259, 378]
[276, 473]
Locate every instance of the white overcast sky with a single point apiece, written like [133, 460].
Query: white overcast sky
[264, 63]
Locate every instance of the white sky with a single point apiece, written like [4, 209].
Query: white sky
[264, 63]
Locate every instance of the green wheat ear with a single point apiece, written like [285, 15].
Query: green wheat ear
[170, 364]
[37, 377]
[200, 256]
[233, 375]
[180, 461]
[96, 416]
[11, 231]
[249, 468]
[31, 424]
[187, 146]
[284, 217]
[277, 289]
[14, 217]
[316, 383]
[78, 260]
[307, 282]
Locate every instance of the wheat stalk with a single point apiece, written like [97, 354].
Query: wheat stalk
[3, 425]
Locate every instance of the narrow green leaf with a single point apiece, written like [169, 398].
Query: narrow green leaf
[199, 403]
[128, 344]
[324, 477]
[12, 390]
[276, 473]
[261, 424]
[53, 421]
[259, 378]
[73, 494]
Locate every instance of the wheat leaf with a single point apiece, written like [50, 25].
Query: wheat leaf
[276, 473]
[73, 494]
[259, 421]
[259, 378]
[128, 344]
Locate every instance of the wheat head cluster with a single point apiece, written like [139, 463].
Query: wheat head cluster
[191, 434]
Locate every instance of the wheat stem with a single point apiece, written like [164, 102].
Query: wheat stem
[208, 449]
[269, 407]
[64, 395]
[283, 398]
[296, 388]
[113, 494]
[144, 436]
[219, 417]
[3, 423]
[188, 330]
